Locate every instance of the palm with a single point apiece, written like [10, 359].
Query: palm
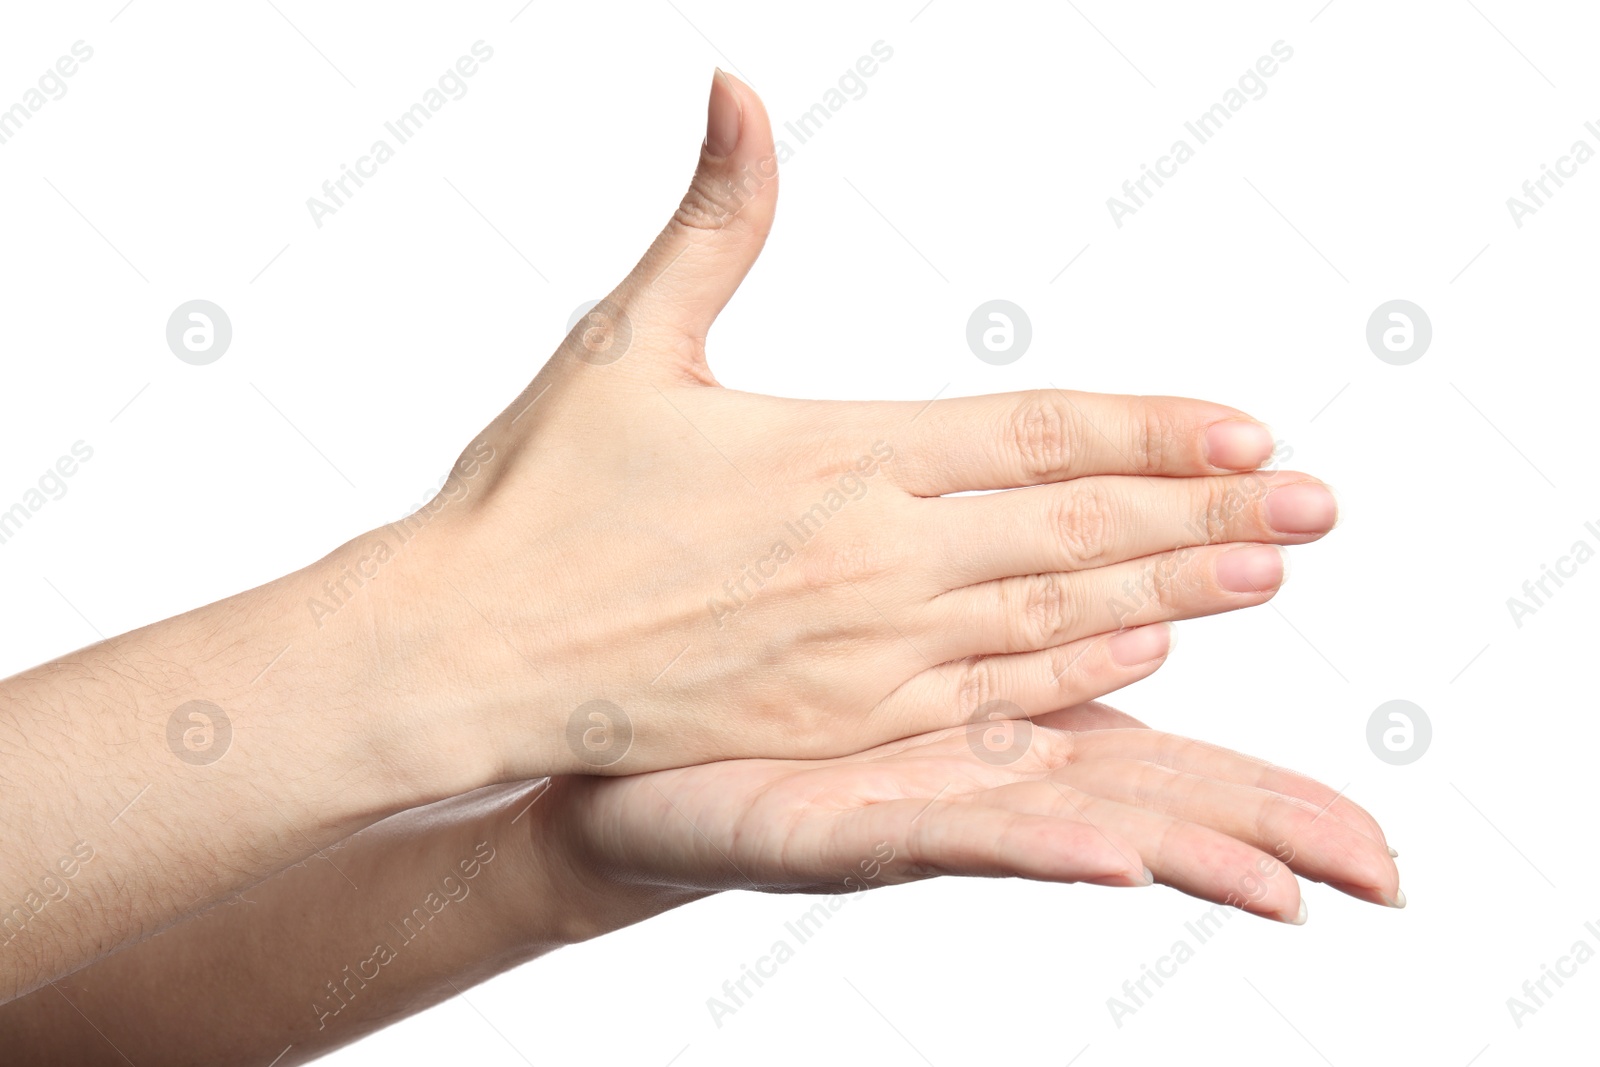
[1086, 794]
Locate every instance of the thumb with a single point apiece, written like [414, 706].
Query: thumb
[714, 237]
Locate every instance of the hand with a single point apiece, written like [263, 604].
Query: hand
[634, 568]
[1086, 794]
[504, 874]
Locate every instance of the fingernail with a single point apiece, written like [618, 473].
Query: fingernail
[1301, 509]
[1396, 901]
[1392, 853]
[1140, 645]
[1127, 879]
[1299, 916]
[1255, 569]
[722, 117]
[1238, 444]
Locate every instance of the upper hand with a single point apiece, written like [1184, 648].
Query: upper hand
[634, 568]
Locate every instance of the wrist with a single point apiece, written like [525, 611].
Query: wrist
[574, 895]
[421, 602]
[348, 654]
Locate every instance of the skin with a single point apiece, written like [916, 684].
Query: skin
[1093, 796]
[877, 621]
[566, 605]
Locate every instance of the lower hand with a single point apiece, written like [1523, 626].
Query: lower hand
[1085, 794]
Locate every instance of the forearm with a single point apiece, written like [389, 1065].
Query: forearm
[150, 775]
[404, 914]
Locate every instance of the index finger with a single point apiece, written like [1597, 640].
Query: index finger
[1010, 440]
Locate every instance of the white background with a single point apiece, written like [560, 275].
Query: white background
[1377, 166]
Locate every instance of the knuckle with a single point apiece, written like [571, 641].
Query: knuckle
[979, 684]
[1062, 663]
[1150, 439]
[1169, 581]
[1149, 783]
[1040, 435]
[1219, 504]
[711, 204]
[604, 333]
[701, 208]
[1053, 749]
[1264, 825]
[843, 561]
[1043, 616]
[1083, 522]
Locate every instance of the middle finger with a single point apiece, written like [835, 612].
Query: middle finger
[1093, 522]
